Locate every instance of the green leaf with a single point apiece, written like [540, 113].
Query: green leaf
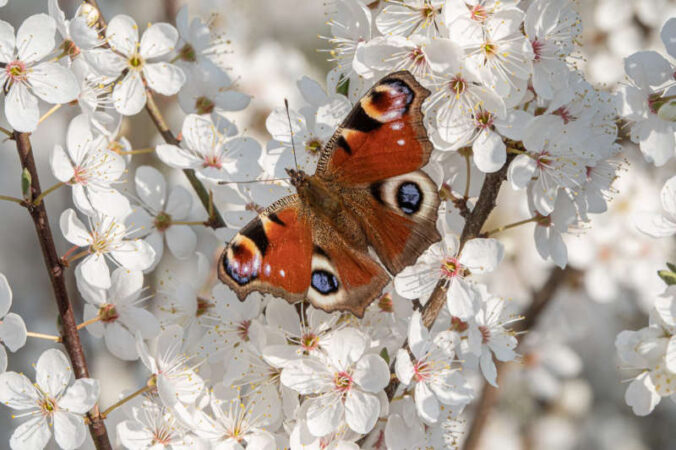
[667, 276]
[26, 181]
[343, 86]
[671, 267]
[385, 355]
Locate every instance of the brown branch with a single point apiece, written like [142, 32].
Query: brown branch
[69, 334]
[215, 219]
[489, 395]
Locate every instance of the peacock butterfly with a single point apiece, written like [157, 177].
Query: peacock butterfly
[368, 191]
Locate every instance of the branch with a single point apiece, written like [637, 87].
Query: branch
[215, 219]
[69, 333]
[489, 395]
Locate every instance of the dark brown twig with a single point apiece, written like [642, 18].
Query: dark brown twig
[69, 334]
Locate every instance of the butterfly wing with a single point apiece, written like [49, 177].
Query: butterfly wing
[374, 159]
[289, 252]
[272, 253]
[382, 137]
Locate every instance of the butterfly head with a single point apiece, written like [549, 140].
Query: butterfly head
[298, 177]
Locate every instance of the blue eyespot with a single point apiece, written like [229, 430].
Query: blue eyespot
[409, 197]
[324, 282]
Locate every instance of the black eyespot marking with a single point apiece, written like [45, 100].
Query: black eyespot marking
[241, 273]
[403, 94]
[409, 197]
[324, 282]
[275, 218]
[361, 121]
[320, 251]
[256, 232]
[342, 143]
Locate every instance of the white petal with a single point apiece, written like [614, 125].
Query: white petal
[462, 300]
[125, 285]
[81, 396]
[418, 336]
[134, 435]
[521, 171]
[21, 108]
[135, 255]
[641, 395]
[94, 271]
[54, 83]
[164, 78]
[303, 376]
[670, 357]
[668, 194]
[129, 95]
[73, 229]
[158, 40]
[181, 240]
[668, 35]
[13, 331]
[122, 34]
[179, 203]
[482, 255]
[31, 435]
[61, 164]
[403, 367]
[361, 410]
[426, 403]
[490, 153]
[5, 295]
[324, 416]
[17, 391]
[648, 68]
[177, 157]
[371, 373]
[487, 365]
[151, 187]
[6, 42]
[312, 92]
[120, 342]
[416, 281]
[69, 430]
[141, 320]
[35, 38]
[3, 359]
[53, 372]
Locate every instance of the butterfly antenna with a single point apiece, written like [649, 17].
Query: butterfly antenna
[293, 147]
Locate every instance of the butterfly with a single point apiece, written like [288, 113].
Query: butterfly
[368, 192]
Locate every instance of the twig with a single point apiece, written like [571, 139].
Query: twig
[70, 336]
[489, 394]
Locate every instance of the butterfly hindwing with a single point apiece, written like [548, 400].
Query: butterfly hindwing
[383, 136]
[399, 217]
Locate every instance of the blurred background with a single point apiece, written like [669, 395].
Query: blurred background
[567, 392]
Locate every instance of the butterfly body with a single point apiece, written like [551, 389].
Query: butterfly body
[367, 193]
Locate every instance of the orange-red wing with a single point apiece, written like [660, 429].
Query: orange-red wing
[383, 136]
[273, 253]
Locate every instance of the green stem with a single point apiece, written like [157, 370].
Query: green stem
[512, 225]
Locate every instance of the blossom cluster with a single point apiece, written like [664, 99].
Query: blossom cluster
[506, 99]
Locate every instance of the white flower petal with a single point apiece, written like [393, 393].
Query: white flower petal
[134, 255]
[641, 395]
[5, 295]
[371, 373]
[80, 396]
[129, 95]
[35, 38]
[122, 34]
[151, 187]
[6, 42]
[490, 153]
[69, 430]
[62, 168]
[181, 240]
[54, 83]
[158, 40]
[94, 270]
[426, 403]
[120, 342]
[31, 435]
[165, 78]
[13, 331]
[361, 410]
[324, 415]
[21, 108]
[482, 255]
[179, 203]
[462, 301]
[488, 368]
[53, 372]
[520, 171]
[17, 391]
[403, 367]
[177, 157]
